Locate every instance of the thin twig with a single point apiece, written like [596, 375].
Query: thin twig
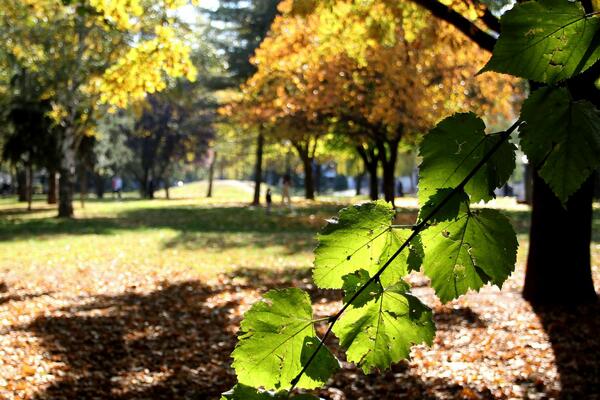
[408, 226]
[417, 229]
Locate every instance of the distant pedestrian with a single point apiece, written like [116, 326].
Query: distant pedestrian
[400, 189]
[285, 190]
[269, 198]
[117, 186]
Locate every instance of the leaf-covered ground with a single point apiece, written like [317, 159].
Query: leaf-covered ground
[142, 300]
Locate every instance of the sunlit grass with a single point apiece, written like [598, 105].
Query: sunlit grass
[211, 236]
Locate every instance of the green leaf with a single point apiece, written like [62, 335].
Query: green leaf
[277, 336]
[352, 284]
[561, 138]
[478, 247]
[243, 392]
[415, 255]
[453, 148]
[546, 41]
[381, 331]
[458, 201]
[361, 238]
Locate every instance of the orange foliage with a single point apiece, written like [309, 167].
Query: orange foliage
[374, 63]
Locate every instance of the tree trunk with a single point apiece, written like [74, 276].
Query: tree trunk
[52, 196]
[358, 182]
[29, 185]
[99, 186]
[528, 184]
[373, 184]
[150, 188]
[66, 182]
[260, 141]
[318, 174]
[370, 161]
[21, 185]
[148, 183]
[389, 190]
[211, 174]
[309, 181]
[166, 187]
[558, 263]
[388, 162]
[65, 193]
[307, 164]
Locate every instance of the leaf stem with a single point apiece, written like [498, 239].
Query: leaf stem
[410, 226]
[416, 230]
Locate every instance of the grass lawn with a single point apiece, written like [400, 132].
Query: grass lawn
[142, 299]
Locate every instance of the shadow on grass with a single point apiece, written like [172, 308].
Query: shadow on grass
[175, 342]
[191, 220]
[168, 344]
[20, 297]
[15, 212]
[180, 218]
[573, 333]
[294, 231]
[292, 242]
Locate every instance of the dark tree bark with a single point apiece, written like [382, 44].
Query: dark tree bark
[370, 161]
[373, 183]
[558, 263]
[99, 185]
[147, 184]
[151, 188]
[318, 173]
[358, 181]
[29, 184]
[307, 163]
[52, 195]
[211, 174]
[65, 194]
[309, 181]
[528, 184]
[21, 185]
[388, 155]
[260, 142]
[166, 187]
[483, 39]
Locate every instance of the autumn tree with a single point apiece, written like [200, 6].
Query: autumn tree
[31, 137]
[171, 129]
[380, 69]
[236, 29]
[91, 53]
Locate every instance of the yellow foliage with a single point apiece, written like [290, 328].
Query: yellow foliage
[120, 12]
[58, 113]
[143, 69]
[85, 59]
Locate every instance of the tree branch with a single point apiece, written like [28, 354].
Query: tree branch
[416, 230]
[476, 34]
[490, 20]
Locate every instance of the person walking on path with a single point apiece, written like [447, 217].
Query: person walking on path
[269, 199]
[117, 186]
